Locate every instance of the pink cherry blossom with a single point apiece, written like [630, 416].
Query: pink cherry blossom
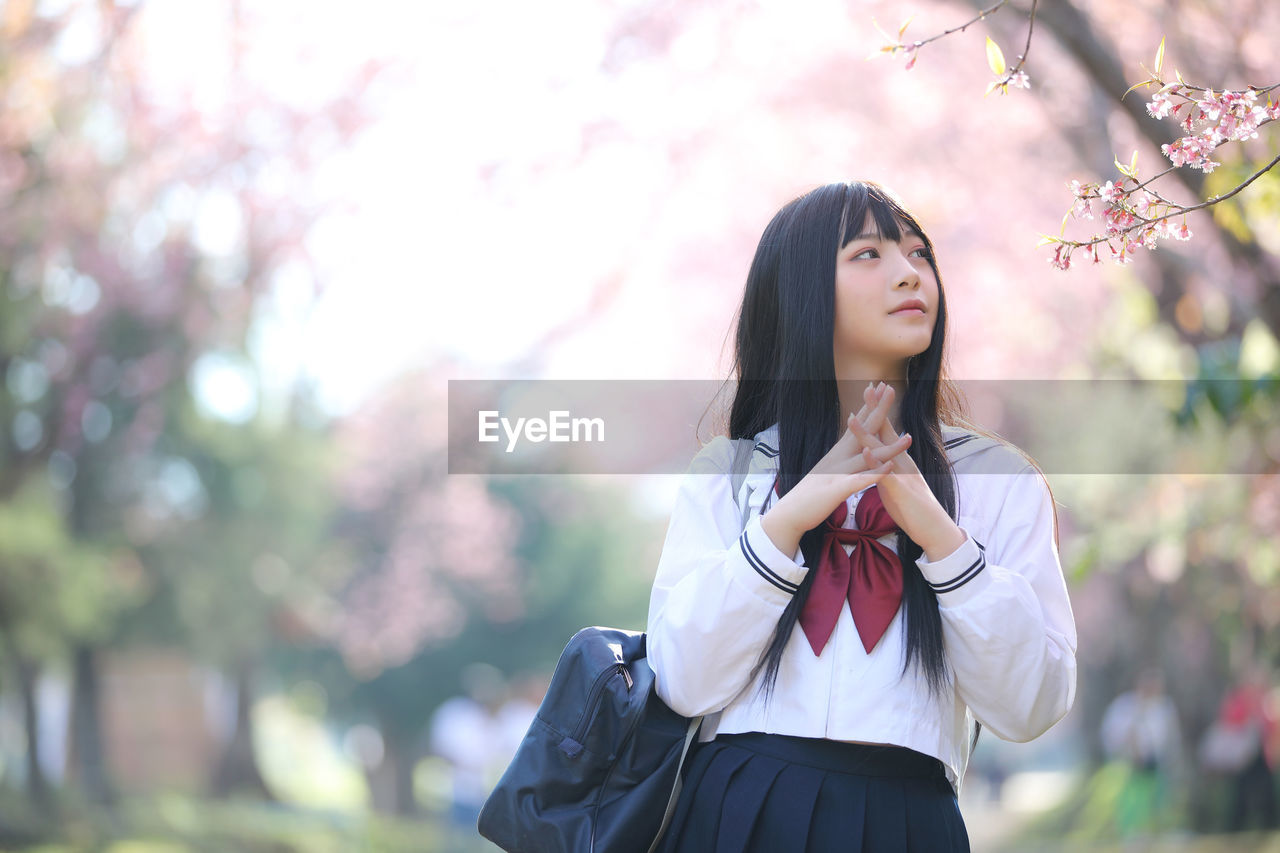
[1191, 151]
[1084, 195]
[1061, 257]
[1020, 80]
[1117, 219]
[1210, 105]
[1161, 105]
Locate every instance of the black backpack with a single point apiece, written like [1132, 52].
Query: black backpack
[599, 769]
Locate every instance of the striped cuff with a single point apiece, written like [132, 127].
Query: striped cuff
[958, 575]
[780, 572]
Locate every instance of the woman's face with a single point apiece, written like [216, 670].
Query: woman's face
[886, 304]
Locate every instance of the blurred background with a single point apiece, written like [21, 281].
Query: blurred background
[245, 246]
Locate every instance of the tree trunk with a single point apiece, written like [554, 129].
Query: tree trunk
[37, 786]
[28, 673]
[238, 771]
[406, 804]
[391, 780]
[88, 762]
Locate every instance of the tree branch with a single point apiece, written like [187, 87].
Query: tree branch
[1181, 211]
[982, 14]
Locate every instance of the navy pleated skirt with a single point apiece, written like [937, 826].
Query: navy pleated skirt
[780, 794]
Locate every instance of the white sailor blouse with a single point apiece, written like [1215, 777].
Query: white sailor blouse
[1008, 632]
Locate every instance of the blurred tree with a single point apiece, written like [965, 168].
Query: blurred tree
[234, 561]
[138, 233]
[64, 589]
[447, 570]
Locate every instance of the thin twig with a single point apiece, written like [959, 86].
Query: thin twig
[1003, 83]
[984, 13]
[1261, 90]
[1026, 48]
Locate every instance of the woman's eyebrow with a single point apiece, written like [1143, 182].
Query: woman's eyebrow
[872, 235]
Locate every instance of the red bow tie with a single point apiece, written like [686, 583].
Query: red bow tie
[869, 578]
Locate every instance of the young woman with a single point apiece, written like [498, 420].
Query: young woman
[883, 582]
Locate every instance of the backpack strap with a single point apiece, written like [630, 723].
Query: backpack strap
[694, 723]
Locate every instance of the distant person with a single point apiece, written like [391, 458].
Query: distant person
[516, 715]
[465, 732]
[1140, 728]
[1248, 716]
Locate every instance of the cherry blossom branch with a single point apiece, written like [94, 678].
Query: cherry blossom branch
[1136, 216]
[1026, 49]
[1006, 76]
[1179, 210]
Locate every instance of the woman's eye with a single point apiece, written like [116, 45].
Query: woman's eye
[866, 253]
[922, 252]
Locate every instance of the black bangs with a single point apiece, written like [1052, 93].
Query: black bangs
[889, 217]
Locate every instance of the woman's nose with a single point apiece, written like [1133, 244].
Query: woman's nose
[908, 275]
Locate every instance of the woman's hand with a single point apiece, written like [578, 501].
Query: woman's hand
[903, 490]
[848, 467]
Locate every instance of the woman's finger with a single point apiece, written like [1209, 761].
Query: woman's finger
[890, 451]
[862, 479]
[863, 460]
[879, 415]
[886, 432]
[865, 437]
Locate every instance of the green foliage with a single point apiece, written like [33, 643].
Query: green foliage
[255, 545]
[1250, 215]
[186, 825]
[67, 589]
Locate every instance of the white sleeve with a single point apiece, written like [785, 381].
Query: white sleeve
[718, 592]
[1007, 626]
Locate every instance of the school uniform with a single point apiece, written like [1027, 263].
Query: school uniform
[779, 775]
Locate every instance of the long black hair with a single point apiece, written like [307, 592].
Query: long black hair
[785, 370]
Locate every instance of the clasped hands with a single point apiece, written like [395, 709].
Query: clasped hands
[869, 452]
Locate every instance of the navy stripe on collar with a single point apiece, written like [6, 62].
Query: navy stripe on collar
[761, 447]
